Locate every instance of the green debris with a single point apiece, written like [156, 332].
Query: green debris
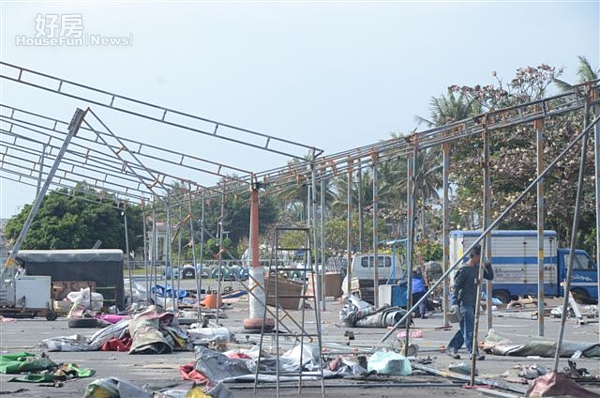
[32, 369]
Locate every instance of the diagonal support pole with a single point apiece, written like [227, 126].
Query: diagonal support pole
[10, 261]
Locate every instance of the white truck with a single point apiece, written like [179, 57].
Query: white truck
[515, 258]
[363, 268]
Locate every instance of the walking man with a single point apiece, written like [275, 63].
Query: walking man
[465, 297]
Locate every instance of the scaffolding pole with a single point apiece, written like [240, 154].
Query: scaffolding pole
[129, 272]
[349, 229]
[198, 278]
[410, 242]
[74, 126]
[41, 173]
[146, 242]
[169, 260]
[323, 279]
[446, 228]
[375, 235]
[539, 132]
[574, 231]
[221, 229]
[487, 218]
[361, 221]
[154, 254]
[485, 160]
[320, 294]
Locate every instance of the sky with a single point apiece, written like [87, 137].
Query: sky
[334, 75]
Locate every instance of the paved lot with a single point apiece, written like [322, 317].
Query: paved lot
[163, 370]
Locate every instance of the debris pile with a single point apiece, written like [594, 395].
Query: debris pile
[358, 313]
[30, 368]
[150, 331]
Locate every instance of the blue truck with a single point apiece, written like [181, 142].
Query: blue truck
[515, 258]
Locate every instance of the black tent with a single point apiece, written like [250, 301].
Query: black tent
[105, 267]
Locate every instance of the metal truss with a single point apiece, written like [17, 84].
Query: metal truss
[157, 113]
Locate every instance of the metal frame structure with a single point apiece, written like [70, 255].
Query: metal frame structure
[133, 181]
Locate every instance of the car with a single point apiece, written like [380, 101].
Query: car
[188, 271]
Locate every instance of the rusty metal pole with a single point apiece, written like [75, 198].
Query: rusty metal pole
[168, 259]
[538, 125]
[574, 230]
[323, 257]
[349, 228]
[198, 270]
[221, 230]
[411, 160]
[375, 234]
[446, 228]
[361, 221]
[145, 240]
[319, 293]
[154, 253]
[486, 222]
[487, 215]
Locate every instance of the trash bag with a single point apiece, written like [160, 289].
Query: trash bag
[311, 360]
[72, 343]
[82, 297]
[138, 291]
[389, 363]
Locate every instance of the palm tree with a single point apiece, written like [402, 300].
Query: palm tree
[449, 108]
[585, 73]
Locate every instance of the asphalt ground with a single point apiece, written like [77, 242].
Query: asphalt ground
[159, 371]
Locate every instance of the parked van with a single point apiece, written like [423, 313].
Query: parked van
[363, 268]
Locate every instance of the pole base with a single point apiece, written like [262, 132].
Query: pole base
[256, 324]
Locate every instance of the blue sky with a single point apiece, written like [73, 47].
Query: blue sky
[332, 75]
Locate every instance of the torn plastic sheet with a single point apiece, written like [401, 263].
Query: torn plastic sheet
[154, 332]
[498, 346]
[556, 384]
[217, 366]
[137, 289]
[151, 332]
[345, 366]
[209, 335]
[311, 359]
[77, 342]
[72, 343]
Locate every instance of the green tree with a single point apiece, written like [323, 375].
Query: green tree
[513, 157]
[66, 220]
